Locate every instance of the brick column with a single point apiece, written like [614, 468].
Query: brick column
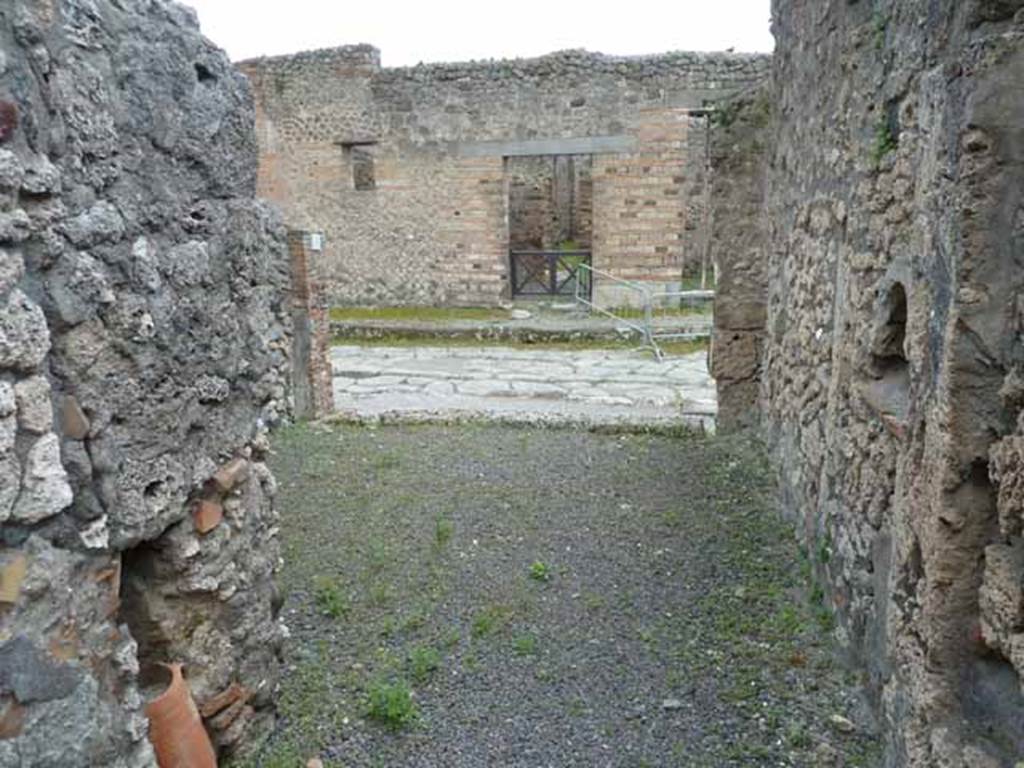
[311, 366]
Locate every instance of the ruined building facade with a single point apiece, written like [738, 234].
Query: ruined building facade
[422, 179]
[144, 353]
[865, 209]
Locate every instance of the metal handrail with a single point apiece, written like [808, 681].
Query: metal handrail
[643, 330]
[646, 328]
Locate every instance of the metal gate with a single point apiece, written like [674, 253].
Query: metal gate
[549, 273]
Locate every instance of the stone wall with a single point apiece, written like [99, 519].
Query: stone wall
[433, 229]
[892, 372]
[144, 352]
[740, 134]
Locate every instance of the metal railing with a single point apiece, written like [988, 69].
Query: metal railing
[547, 273]
[655, 316]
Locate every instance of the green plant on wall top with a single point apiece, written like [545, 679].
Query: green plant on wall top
[880, 25]
[885, 141]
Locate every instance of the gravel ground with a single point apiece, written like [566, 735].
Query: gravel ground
[500, 596]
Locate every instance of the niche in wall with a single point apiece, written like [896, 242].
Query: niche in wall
[888, 387]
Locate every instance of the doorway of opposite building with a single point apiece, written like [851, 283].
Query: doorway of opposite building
[550, 224]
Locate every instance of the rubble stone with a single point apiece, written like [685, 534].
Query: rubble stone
[143, 295]
[893, 206]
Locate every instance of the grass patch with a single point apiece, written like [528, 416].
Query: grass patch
[443, 530]
[423, 662]
[524, 645]
[390, 703]
[540, 571]
[329, 597]
[488, 621]
[632, 313]
[422, 314]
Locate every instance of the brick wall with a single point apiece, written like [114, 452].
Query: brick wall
[640, 203]
[312, 386]
[434, 229]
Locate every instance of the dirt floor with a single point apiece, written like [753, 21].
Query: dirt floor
[500, 596]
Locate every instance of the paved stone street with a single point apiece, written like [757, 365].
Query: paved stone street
[591, 387]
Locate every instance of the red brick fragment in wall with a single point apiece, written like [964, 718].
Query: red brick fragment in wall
[224, 720]
[111, 575]
[230, 475]
[224, 699]
[12, 718]
[8, 120]
[207, 515]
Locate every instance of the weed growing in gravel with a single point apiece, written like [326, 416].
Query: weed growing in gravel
[525, 645]
[443, 530]
[488, 621]
[391, 703]
[413, 621]
[672, 517]
[329, 597]
[540, 571]
[451, 638]
[577, 708]
[423, 661]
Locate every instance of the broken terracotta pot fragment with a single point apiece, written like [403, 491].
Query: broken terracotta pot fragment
[175, 728]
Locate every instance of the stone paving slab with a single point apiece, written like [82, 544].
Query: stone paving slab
[585, 387]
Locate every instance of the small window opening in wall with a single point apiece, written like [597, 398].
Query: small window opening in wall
[360, 159]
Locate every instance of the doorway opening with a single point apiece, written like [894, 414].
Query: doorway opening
[550, 220]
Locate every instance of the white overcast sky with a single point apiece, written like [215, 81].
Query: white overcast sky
[460, 30]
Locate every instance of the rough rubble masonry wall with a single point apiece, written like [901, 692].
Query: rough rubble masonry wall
[740, 135]
[143, 354]
[433, 226]
[893, 382]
